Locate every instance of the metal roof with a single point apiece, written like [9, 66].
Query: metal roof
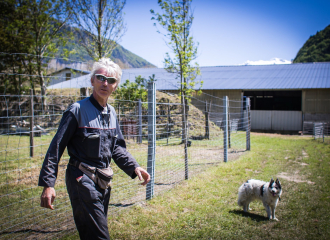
[245, 77]
[69, 68]
[78, 82]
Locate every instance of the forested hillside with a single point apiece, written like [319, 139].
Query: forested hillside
[316, 48]
[123, 57]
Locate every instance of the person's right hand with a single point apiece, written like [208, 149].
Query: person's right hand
[143, 175]
[47, 197]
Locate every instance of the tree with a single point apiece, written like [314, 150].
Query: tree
[45, 20]
[316, 48]
[15, 42]
[133, 91]
[176, 19]
[31, 32]
[101, 23]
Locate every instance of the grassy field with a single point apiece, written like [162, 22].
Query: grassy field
[205, 207]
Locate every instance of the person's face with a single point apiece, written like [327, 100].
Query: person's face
[102, 90]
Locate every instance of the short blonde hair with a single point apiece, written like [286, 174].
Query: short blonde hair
[109, 66]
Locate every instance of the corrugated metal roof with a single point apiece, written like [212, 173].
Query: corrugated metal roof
[284, 76]
[257, 77]
[69, 68]
[78, 82]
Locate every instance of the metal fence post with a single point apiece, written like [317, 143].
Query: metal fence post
[151, 138]
[185, 140]
[229, 126]
[241, 124]
[225, 130]
[248, 124]
[31, 124]
[139, 138]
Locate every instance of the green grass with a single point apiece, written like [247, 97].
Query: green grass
[205, 207]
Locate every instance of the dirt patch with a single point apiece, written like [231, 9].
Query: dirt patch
[273, 134]
[302, 164]
[304, 154]
[294, 177]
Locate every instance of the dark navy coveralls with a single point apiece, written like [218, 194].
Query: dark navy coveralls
[94, 138]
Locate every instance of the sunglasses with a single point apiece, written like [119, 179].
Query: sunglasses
[102, 78]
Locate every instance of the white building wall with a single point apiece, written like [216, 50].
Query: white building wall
[261, 120]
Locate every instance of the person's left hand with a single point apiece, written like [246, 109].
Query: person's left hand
[143, 175]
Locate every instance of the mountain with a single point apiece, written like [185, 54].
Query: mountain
[123, 57]
[316, 48]
[267, 62]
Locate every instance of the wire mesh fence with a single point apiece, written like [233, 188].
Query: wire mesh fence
[29, 121]
[320, 131]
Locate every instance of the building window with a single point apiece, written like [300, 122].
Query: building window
[67, 76]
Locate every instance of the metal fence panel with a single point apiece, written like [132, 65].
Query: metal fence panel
[20, 213]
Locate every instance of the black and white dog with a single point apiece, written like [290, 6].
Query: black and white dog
[269, 193]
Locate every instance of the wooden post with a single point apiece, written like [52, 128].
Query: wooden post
[83, 93]
[31, 124]
[207, 131]
[168, 120]
[118, 113]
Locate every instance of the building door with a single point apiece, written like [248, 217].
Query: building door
[275, 110]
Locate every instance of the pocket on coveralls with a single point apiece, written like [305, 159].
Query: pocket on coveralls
[92, 145]
[85, 187]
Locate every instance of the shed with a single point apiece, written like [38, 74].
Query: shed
[65, 74]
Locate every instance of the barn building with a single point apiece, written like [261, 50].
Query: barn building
[286, 97]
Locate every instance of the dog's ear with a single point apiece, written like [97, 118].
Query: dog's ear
[278, 183]
[271, 181]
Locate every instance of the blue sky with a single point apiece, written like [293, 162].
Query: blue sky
[231, 32]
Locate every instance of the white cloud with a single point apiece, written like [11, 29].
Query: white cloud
[267, 62]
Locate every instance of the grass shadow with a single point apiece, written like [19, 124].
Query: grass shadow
[121, 205]
[253, 216]
[29, 230]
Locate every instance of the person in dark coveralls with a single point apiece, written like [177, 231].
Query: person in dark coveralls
[90, 131]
